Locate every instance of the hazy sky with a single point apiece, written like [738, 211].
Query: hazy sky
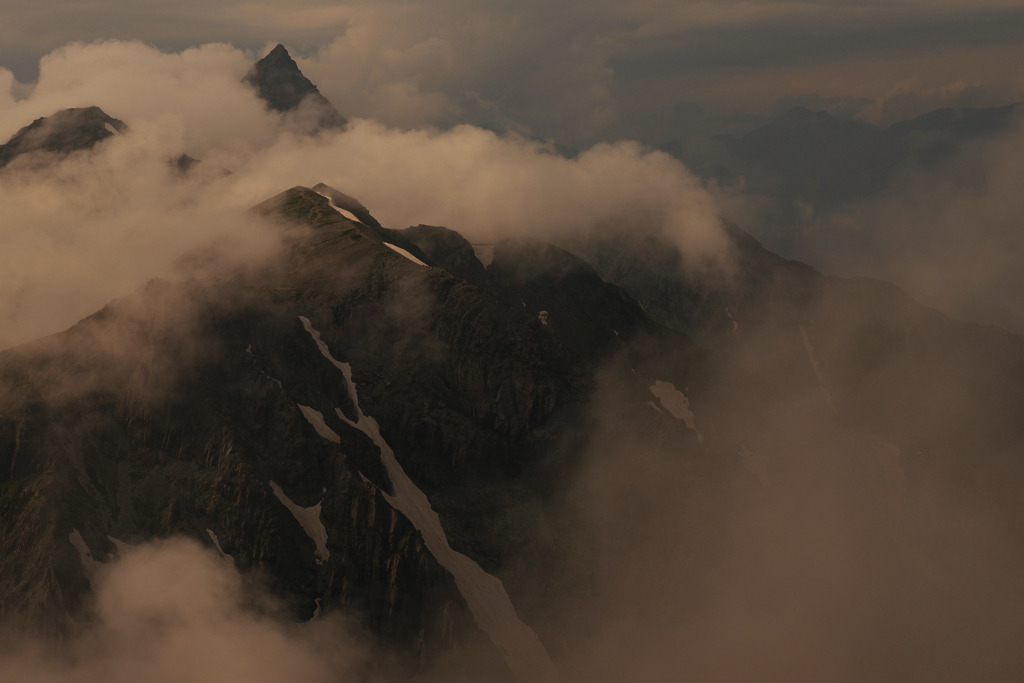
[580, 71]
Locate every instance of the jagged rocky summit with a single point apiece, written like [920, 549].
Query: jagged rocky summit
[279, 82]
[276, 79]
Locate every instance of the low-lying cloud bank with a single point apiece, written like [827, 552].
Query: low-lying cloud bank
[174, 611]
[94, 226]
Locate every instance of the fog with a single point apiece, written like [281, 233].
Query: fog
[948, 232]
[799, 540]
[950, 235]
[173, 610]
[793, 543]
[95, 226]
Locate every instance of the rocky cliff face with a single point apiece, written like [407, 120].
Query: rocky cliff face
[210, 410]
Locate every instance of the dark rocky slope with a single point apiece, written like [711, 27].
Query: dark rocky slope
[173, 410]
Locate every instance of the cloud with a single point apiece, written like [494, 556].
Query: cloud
[586, 71]
[173, 611]
[96, 226]
[197, 93]
[796, 542]
[488, 186]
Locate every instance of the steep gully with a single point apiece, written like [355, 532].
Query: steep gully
[484, 594]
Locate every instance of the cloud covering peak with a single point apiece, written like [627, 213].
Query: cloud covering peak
[100, 224]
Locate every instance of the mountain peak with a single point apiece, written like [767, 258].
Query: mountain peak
[62, 133]
[280, 83]
[278, 51]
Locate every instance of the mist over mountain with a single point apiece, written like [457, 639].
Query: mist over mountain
[821, 159]
[67, 131]
[568, 425]
[925, 202]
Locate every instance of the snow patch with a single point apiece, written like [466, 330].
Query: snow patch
[216, 544]
[484, 594]
[89, 563]
[344, 212]
[347, 214]
[309, 520]
[111, 129]
[316, 418]
[677, 405]
[817, 369]
[403, 252]
[324, 351]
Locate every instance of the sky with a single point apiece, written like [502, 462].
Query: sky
[582, 71]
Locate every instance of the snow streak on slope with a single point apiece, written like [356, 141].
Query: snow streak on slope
[89, 563]
[216, 543]
[403, 252]
[676, 403]
[308, 519]
[491, 607]
[316, 418]
[344, 212]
